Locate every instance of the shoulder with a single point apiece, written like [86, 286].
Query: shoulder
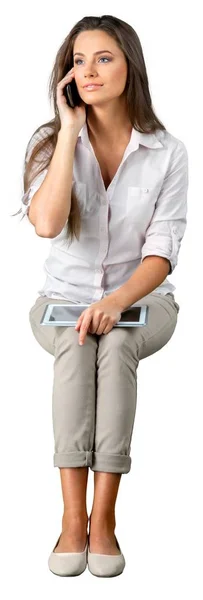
[170, 141]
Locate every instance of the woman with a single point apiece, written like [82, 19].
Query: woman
[114, 181]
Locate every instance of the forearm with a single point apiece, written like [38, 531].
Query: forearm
[147, 277]
[51, 203]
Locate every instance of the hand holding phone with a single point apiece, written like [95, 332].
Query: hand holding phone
[67, 95]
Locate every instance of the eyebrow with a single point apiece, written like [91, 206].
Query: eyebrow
[99, 52]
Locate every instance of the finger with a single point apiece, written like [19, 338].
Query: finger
[60, 84]
[107, 329]
[79, 321]
[105, 323]
[84, 328]
[97, 323]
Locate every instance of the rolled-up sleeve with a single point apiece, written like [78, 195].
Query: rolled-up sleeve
[167, 226]
[37, 180]
[27, 197]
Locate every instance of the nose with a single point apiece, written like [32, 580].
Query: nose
[90, 71]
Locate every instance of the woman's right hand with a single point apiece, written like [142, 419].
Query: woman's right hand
[70, 117]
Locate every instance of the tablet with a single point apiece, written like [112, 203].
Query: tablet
[68, 314]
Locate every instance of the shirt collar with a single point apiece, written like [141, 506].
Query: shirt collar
[145, 139]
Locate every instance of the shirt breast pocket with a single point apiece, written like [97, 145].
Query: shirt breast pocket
[139, 204]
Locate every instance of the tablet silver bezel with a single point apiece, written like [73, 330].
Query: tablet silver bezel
[49, 307]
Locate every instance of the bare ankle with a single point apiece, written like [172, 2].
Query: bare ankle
[103, 521]
[73, 519]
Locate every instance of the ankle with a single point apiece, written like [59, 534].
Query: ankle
[72, 519]
[105, 521]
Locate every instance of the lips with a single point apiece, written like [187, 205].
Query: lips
[93, 84]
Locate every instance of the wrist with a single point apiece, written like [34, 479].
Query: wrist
[67, 132]
[116, 301]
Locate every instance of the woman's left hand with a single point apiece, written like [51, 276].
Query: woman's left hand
[98, 318]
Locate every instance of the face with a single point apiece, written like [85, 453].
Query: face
[107, 68]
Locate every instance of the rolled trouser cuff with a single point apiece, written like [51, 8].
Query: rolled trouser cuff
[97, 461]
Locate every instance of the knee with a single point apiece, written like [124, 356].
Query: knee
[117, 343]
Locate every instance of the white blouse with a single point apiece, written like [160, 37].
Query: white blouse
[142, 213]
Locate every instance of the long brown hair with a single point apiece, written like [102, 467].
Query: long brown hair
[139, 104]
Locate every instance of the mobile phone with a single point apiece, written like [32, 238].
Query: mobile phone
[71, 94]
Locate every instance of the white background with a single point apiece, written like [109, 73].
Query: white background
[159, 521]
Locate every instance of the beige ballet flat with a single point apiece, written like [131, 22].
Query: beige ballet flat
[105, 565]
[67, 564]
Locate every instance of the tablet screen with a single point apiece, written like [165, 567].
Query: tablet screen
[68, 314]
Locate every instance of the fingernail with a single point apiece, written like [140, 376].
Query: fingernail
[80, 343]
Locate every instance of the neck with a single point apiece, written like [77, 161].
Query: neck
[107, 126]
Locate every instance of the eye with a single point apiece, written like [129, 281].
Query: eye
[102, 57]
